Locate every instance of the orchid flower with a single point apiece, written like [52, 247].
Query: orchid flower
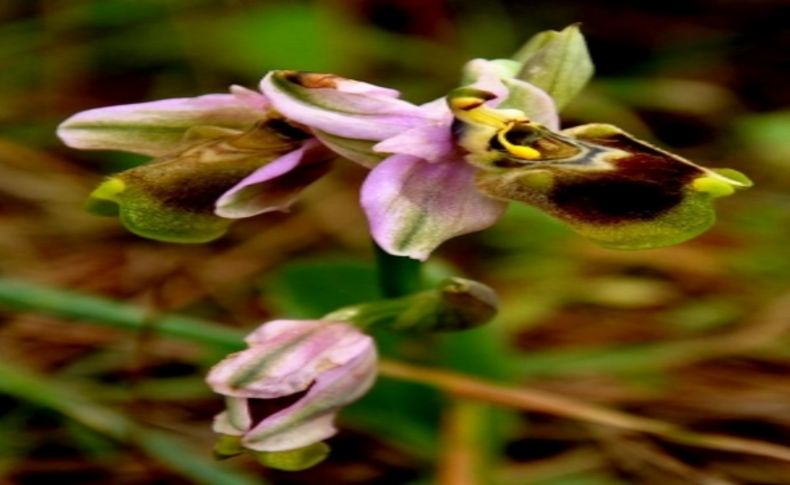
[327, 364]
[203, 147]
[437, 170]
[420, 192]
[226, 156]
[451, 167]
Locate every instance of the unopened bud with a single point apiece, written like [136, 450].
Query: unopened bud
[456, 304]
[324, 364]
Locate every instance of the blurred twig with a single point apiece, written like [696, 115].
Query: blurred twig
[460, 460]
[766, 329]
[533, 400]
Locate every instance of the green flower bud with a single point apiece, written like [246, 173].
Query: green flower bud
[456, 304]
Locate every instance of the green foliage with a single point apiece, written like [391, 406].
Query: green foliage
[313, 288]
[287, 35]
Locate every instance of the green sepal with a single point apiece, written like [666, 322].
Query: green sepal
[293, 460]
[557, 62]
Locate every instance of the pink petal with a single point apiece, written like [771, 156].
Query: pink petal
[431, 142]
[276, 185]
[339, 106]
[285, 357]
[488, 77]
[157, 128]
[310, 419]
[413, 206]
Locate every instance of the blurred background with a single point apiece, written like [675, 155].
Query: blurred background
[697, 334]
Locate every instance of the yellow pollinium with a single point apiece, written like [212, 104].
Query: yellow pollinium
[467, 104]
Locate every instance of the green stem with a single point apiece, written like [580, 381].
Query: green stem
[398, 275]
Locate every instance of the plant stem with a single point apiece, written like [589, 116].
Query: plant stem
[398, 275]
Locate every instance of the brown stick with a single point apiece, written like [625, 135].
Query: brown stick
[532, 400]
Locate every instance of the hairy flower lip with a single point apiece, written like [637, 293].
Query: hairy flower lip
[619, 191]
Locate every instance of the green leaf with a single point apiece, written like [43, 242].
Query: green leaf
[22, 296]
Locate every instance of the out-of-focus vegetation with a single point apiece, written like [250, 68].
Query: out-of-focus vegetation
[696, 334]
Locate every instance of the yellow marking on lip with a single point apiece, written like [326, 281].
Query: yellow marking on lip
[520, 151]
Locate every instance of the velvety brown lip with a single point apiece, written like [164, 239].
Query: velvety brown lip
[643, 186]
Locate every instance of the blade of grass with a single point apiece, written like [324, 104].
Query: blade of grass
[63, 399]
[22, 296]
